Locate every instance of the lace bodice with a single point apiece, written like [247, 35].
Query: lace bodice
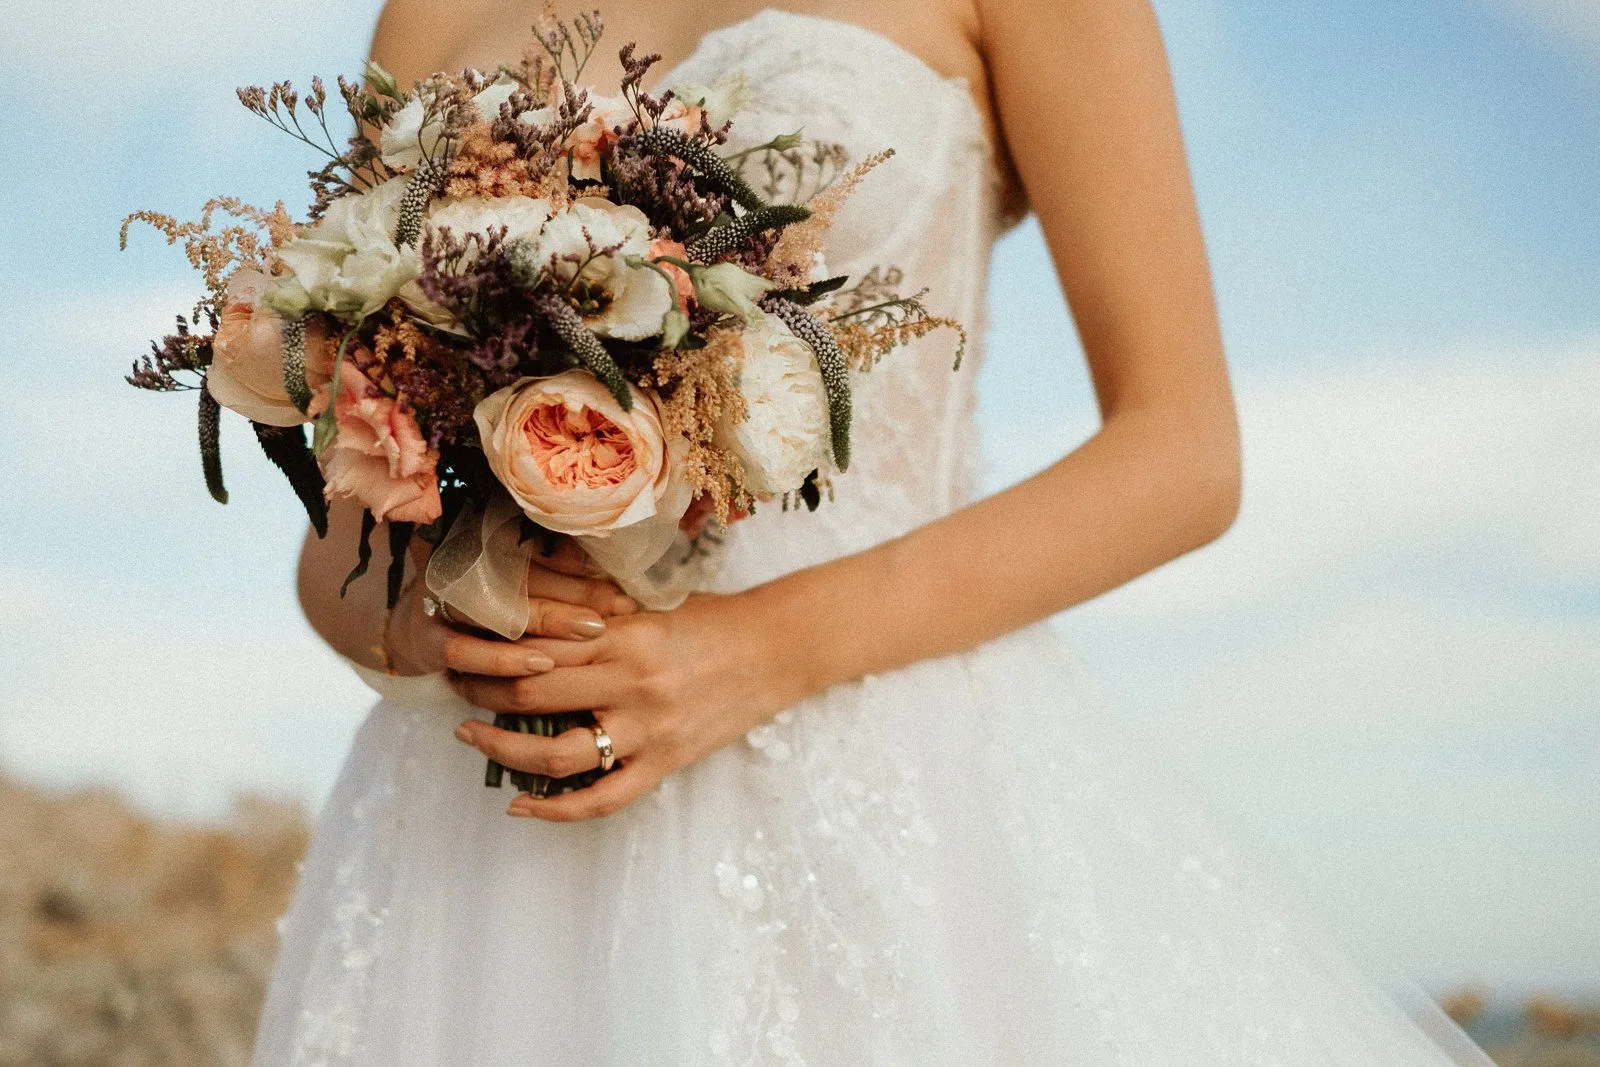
[933, 211]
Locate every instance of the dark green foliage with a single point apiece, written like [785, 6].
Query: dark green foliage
[698, 154]
[211, 446]
[286, 447]
[363, 551]
[810, 492]
[399, 540]
[568, 325]
[811, 293]
[732, 236]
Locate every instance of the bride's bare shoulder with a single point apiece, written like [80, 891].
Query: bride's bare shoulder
[415, 38]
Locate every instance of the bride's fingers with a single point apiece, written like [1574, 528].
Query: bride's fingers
[606, 797]
[470, 654]
[598, 596]
[562, 756]
[504, 659]
[557, 618]
[568, 689]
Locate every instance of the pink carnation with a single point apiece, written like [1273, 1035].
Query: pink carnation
[378, 456]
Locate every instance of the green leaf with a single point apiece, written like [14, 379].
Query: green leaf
[363, 551]
[286, 447]
[399, 540]
[813, 292]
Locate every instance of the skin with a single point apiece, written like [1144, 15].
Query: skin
[1098, 154]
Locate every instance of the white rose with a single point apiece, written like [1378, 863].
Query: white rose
[406, 141]
[785, 434]
[348, 262]
[613, 298]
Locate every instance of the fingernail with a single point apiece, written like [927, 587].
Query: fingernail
[463, 734]
[623, 605]
[538, 663]
[522, 807]
[586, 628]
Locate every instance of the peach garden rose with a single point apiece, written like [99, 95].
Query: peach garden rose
[572, 459]
[246, 372]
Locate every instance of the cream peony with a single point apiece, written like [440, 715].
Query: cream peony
[785, 435]
[613, 298]
[574, 461]
[246, 372]
[348, 263]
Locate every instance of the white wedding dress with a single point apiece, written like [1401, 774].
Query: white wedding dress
[955, 863]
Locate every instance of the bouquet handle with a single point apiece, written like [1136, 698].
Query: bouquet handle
[544, 725]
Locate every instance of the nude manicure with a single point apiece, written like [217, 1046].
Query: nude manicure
[586, 628]
[520, 808]
[538, 663]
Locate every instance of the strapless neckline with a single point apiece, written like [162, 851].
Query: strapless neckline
[866, 39]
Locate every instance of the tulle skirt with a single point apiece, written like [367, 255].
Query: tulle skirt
[960, 862]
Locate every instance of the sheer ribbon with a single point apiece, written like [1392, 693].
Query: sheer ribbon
[480, 569]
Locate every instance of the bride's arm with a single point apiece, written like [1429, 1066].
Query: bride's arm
[1083, 92]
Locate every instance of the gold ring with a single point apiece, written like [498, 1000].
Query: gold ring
[602, 741]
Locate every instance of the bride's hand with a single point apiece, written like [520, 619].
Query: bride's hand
[568, 597]
[668, 687]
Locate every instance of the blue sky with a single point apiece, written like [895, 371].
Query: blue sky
[1386, 673]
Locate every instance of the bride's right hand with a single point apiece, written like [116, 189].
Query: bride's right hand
[568, 598]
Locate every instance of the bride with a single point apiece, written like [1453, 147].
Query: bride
[865, 809]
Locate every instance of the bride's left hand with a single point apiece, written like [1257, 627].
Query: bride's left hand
[667, 687]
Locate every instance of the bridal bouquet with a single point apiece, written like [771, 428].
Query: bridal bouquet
[522, 309]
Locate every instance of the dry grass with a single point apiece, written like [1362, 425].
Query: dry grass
[129, 942]
[135, 943]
